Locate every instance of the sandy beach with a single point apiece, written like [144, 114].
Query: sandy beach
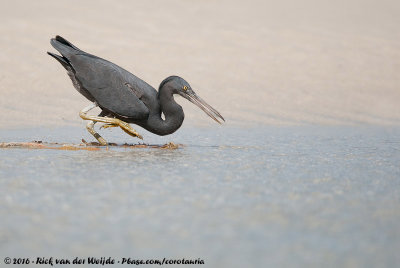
[257, 62]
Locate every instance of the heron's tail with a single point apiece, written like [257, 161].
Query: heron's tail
[65, 42]
[65, 48]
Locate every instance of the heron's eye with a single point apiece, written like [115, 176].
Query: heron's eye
[185, 88]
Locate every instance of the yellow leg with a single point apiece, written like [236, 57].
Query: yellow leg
[111, 121]
[90, 128]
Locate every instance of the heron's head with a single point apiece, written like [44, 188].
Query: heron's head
[181, 87]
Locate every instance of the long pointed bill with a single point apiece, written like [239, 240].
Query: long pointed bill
[210, 111]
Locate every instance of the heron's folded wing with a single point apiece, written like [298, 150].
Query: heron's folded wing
[109, 86]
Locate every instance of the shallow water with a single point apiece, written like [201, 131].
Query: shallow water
[277, 196]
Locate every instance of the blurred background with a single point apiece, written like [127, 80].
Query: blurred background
[258, 62]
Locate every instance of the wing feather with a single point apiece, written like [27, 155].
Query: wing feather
[110, 85]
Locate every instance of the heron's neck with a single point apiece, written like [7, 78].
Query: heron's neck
[172, 111]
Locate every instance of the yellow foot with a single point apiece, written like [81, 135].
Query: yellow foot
[124, 126]
[109, 126]
[110, 122]
[128, 129]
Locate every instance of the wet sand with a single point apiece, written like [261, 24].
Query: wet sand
[88, 146]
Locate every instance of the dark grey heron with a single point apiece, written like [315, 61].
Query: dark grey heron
[124, 98]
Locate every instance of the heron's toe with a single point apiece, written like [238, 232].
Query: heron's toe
[108, 126]
[129, 130]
